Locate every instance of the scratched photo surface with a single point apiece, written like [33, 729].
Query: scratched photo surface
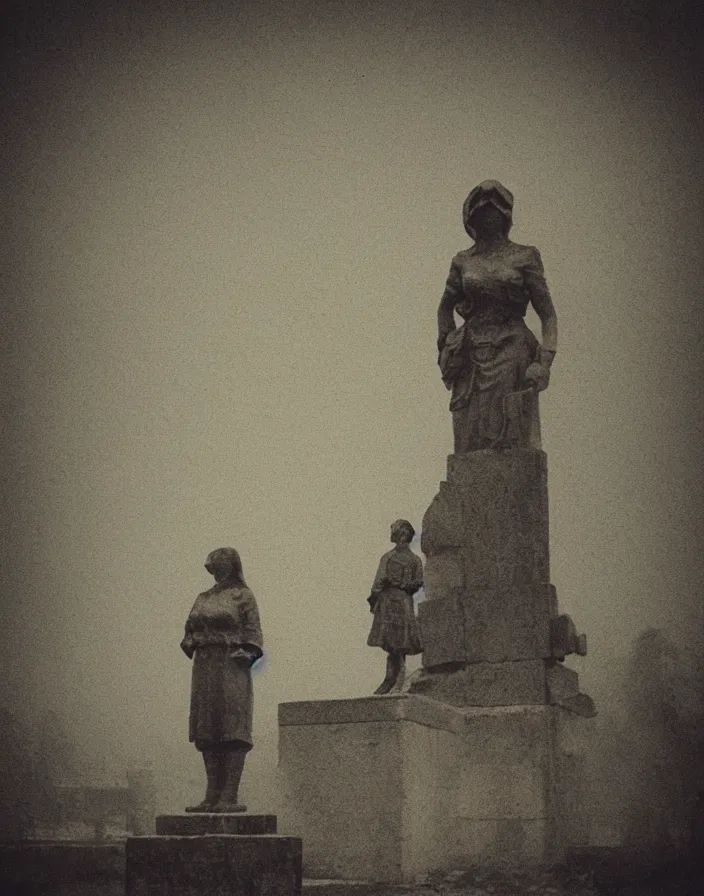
[226, 231]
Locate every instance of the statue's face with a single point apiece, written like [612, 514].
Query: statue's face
[488, 221]
[218, 566]
[400, 535]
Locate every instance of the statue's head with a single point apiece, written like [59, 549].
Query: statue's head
[487, 209]
[225, 566]
[402, 532]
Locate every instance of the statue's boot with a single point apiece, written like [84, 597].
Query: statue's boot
[400, 670]
[231, 766]
[214, 785]
[388, 681]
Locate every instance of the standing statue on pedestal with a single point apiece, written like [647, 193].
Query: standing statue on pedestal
[224, 639]
[493, 363]
[395, 627]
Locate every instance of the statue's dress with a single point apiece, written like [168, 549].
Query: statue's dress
[395, 627]
[223, 620]
[486, 358]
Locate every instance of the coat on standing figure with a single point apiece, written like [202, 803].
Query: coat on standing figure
[224, 639]
[395, 627]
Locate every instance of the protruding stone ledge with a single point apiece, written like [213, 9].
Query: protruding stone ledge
[388, 708]
[196, 824]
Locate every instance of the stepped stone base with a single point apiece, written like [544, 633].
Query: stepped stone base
[204, 854]
[388, 788]
[523, 682]
[196, 824]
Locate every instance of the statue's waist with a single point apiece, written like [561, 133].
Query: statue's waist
[491, 333]
[217, 639]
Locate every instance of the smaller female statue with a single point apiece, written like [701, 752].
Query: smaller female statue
[224, 639]
[395, 627]
[493, 363]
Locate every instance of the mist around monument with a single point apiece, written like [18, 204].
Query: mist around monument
[219, 334]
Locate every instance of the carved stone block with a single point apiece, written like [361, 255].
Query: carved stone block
[213, 865]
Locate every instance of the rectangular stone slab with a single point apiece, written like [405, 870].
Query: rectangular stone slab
[487, 571]
[213, 865]
[384, 789]
[192, 824]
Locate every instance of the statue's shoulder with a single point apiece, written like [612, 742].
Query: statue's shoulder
[524, 255]
[245, 595]
[239, 592]
[463, 256]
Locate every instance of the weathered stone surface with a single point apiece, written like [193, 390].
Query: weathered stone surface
[398, 796]
[488, 684]
[224, 639]
[394, 624]
[561, 682]
[213, 865]
[198, 824]
[493, 363]
[371, 709]
[529, 682]
[564, 639]
[487, 572]
[442, 625]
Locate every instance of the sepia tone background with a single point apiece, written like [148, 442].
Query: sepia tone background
[227, 227]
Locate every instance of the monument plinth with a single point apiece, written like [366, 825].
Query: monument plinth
[482, 761]
[213, 854]
[492, 633]
[389, 788]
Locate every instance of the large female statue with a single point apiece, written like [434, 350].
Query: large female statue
[224, 639]
[493, 363]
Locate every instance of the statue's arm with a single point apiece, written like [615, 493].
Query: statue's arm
[251, 639]
[380, 580]
[534, 279]
[418, 574]
[450, 297]
[416, 582]
[188, 644]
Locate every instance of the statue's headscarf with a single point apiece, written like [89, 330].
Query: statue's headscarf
[403, 524]
[489, 192]
[235, 579]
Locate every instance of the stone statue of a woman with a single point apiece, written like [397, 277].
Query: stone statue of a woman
[224, 639]
[493, 363]
[395, 627]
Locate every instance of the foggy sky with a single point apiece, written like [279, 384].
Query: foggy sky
[227, 230]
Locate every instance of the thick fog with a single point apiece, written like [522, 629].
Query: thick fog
[227, 230]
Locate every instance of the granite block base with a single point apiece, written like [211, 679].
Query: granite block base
[214, 855]
[198, 824]
[389, 788]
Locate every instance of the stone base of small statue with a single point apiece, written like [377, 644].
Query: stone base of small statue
[389, 789]
[214, 854]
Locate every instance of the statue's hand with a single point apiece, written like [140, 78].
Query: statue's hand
[242, 657]
[187, 648]
[538, 375]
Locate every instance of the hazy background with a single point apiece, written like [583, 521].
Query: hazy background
[227, 228]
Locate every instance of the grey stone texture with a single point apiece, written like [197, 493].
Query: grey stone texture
[491, 629]
[198, 824]
[487, 572]
[387, 788]
[213, 865]
[493, 363]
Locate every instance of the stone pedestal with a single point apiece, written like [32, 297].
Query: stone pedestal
[386, 788]
[482, 761]
[213, 855]
[492, 633]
